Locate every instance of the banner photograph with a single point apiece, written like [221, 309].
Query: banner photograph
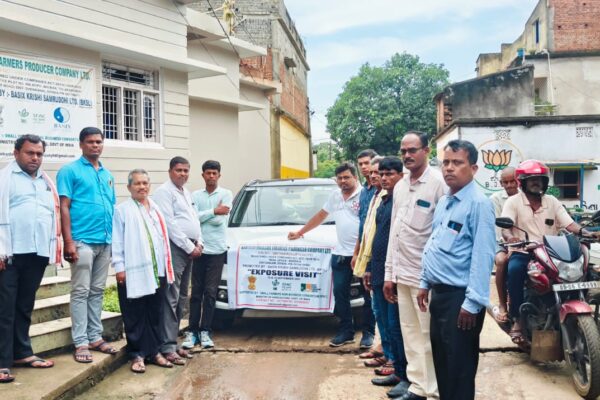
[280, 277]
[52, 99]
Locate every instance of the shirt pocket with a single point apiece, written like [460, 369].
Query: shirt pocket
[419, 214]
[447, 239]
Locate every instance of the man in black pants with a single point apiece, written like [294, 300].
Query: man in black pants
[457, 264]
[212, 204]
[29, 239]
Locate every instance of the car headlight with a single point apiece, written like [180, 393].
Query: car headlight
[569, 272]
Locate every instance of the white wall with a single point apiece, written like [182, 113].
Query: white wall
[551, 143]
[121, 157]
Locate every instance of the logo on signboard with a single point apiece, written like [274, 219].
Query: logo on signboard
[62, 115]
[309, 287]
[496, 155]
[39, 118]
[1, 119]
[251, 282]
[24, 114]
[275, 284]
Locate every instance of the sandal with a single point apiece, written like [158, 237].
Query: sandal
[517, 337]
[161, 361]
[376, 362]
[82, 355]
[174, 358]
[32, 363]
[5, 376]
[104, 347]
[370, 354]
[138, 366]
[385, 370]
[183, 353]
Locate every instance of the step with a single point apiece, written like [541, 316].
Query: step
[53, 286]
[51, 270]
[51, 308]
[56, 334]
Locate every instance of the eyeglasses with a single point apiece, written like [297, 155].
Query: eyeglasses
[411, 150]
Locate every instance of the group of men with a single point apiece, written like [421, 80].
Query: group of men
[39, 221]
[425, 250]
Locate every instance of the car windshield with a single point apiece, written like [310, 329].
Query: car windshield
[279, 205]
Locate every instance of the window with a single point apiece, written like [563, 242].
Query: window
[130, 99]
[536, 31]
[567, 182]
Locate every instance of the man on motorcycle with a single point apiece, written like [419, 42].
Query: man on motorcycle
[509, 183]
[538, 214]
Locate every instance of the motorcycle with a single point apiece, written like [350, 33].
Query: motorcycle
[556, 319]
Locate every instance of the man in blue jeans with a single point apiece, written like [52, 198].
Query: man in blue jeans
[87, 200]
[343, 206]
[386, 313]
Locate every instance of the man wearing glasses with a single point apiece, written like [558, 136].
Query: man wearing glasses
[415, 198]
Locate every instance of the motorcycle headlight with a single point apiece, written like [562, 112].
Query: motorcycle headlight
[569, 272]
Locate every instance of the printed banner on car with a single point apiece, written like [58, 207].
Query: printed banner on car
[280, 277]
[48, 98]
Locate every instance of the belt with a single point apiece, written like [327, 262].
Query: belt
[443, 288]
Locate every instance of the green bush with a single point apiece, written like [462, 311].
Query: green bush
[111, 299]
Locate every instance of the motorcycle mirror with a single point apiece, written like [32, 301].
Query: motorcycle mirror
[504, 223]
[596, 216]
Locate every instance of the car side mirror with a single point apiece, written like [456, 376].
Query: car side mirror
[504, 223]
[596, 216]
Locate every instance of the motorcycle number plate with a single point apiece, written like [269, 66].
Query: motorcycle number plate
[562, 287]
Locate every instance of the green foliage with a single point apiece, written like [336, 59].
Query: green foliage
[326, 169]
[111, 299]
[380, 103]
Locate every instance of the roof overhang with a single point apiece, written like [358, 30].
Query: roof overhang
[269, 86]
[203, 25]
[575, 164]
[243, 48]
[121, 49]
[241, 105]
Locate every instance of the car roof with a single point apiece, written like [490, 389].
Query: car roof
[291, 182]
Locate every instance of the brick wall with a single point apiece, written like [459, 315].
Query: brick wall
[258, 67]
[293, 97]
[576, 25]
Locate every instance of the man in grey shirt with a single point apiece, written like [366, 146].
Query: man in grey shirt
[185, 238]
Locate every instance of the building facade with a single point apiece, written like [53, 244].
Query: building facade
[161, 80]
[268, 24]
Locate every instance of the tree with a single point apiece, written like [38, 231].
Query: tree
[328, 157]
[381, 103]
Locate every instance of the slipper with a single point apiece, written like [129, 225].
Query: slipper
[82, 355]
[104, 347]
[161, 361]
[137, 365]
[7, 376]
[387, 369]
[370, 354]
[174, 358]
[375, 362]
[517, 337]
[31, 363]
[184, 353]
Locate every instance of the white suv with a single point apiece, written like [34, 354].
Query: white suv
[266, 209]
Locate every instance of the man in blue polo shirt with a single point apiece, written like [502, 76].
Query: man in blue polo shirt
[87, 200]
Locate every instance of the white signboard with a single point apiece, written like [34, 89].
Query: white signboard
[52, 99]
[280, 277]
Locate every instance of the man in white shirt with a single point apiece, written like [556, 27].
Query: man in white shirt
[343, 205]
[415, 198]
[185, 237]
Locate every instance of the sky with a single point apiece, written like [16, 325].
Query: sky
[342, 35]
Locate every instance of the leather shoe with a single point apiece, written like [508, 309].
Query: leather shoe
[390, 380]
[412, 396]
[399, 390]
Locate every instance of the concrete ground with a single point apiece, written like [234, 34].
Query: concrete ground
[290, 359]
